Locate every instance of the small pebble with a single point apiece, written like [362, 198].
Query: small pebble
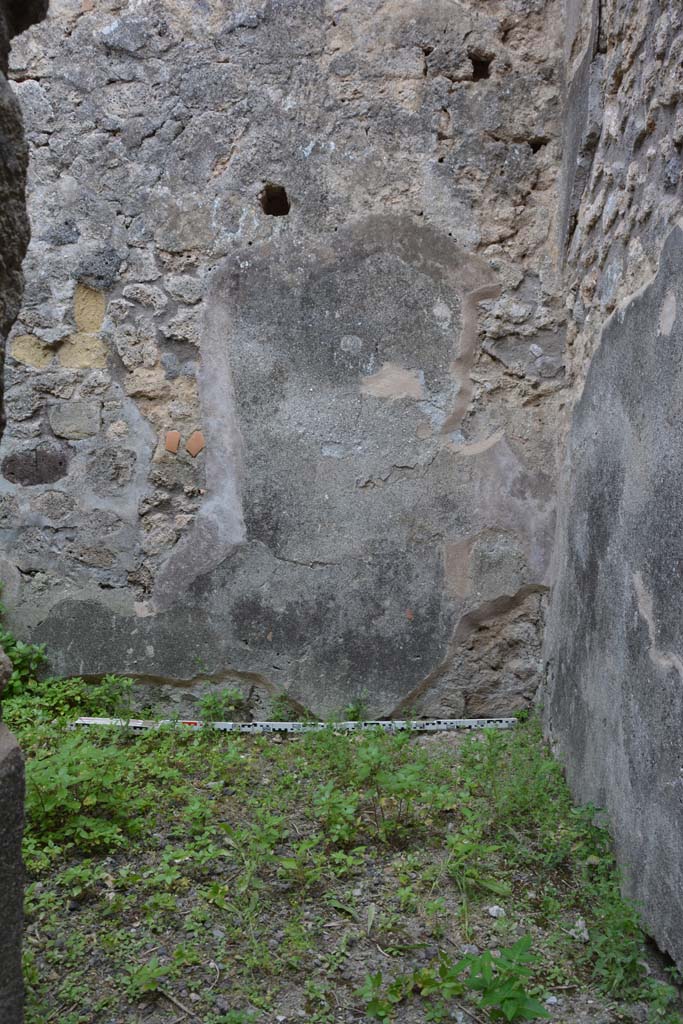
[496, 911]
[579, 931]
[552, 1001]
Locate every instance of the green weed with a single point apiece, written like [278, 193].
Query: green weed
[146, 978]
[270, 869]
[222, 706]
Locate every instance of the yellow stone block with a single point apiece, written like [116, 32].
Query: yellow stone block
[83, 352]
[147, 382]
[89, 307]
[28, 349]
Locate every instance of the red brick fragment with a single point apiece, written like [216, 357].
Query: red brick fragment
[195, 443]
[172, 441]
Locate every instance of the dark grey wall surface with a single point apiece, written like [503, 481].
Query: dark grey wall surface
[613, 645]
[11, 878]
[15, 16]
[614, 701]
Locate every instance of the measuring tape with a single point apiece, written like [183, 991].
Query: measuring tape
[388, 725]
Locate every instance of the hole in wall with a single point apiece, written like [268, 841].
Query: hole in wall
[274, 200]
[538, 143]
[481, 65]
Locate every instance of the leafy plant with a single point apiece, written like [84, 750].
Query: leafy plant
[145, 978]
[306, 864]
[468, 857]
[397, 786]
[284, 709]
[339, 811]
[26, 659]
[355, 711]
[222, 706]
[615, 947]
[43, 700]
[81, 880]
[379, 1003]
[283, 862]
[78, 793]
[500, 982]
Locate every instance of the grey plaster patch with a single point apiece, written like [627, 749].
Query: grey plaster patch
[219, 525]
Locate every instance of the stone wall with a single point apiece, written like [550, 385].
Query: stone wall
[614, 643]
[15, 16]
[283, 391]
[286, 390]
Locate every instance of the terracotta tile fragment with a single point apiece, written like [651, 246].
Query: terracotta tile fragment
[195, 443]
[172, 441]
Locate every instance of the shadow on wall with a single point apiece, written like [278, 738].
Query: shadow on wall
[614, 642]
[15, 16]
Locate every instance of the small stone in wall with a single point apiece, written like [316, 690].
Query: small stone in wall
[30, 351]
[184, 326]
[147, 382]
[159, 535]
[82, 352]
[146, 295]
[98, 557]
[110, 471]
[184, 288]
[74, 420]
[99, 270]
[89, 307]
[54, 505]
[41, 465]
[21, 403]
[195, 443]
[9, 510]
